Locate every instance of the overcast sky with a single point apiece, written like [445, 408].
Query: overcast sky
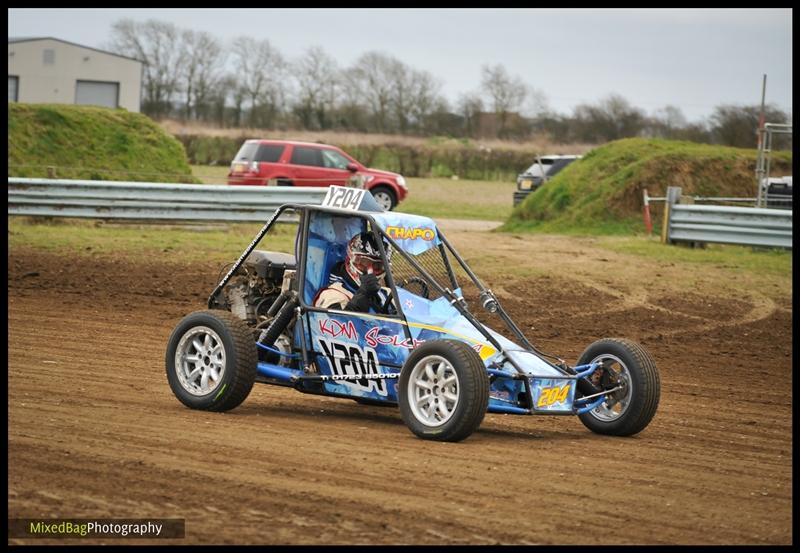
[693, 59]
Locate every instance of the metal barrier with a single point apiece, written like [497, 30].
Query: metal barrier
[727, 225]
[152, 201]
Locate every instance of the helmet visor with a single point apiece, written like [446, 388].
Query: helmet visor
[365, 264]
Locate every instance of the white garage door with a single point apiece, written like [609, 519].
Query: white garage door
[13, 87]
[96, 93]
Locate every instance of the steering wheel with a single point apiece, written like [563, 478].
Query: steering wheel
[424, 290]
[385, 308]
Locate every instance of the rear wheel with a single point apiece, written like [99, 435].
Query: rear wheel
[283, 182]
[211, 360]
[385, 197]
[443, 391]
[630, 368]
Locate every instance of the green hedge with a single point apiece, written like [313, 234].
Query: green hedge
[435, 160]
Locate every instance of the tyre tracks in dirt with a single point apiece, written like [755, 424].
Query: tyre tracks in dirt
[94, 430]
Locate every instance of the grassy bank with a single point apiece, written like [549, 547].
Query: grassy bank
[85, 142]
[602, 193]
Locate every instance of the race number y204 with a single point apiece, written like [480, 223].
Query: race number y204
[343, 198]
[353, 360]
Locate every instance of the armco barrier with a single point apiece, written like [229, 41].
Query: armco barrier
[730, 225]
[152, 201]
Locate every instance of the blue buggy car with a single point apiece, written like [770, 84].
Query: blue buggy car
[424, 350]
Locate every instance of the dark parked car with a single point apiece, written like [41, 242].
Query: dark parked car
[542, 170]
[290, 163]
[777, 192]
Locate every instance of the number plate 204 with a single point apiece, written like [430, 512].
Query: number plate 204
[552, 395]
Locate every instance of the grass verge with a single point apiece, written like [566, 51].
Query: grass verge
[221, 243]
[743, 258]
[432, 197]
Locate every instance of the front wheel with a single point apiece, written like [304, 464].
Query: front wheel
[628, 367]
[385, 197]
[443, 391]
[211, 360]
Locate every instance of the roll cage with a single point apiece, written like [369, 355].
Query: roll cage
[487, 299]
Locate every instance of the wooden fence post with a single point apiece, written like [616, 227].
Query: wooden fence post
[648, 223]
[673, 197]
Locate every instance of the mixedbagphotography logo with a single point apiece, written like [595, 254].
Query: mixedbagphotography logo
[96, 528]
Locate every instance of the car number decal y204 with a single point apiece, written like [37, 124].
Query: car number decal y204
[350, 359]
[343, 198]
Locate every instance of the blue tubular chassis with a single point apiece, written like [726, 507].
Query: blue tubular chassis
[301, 381]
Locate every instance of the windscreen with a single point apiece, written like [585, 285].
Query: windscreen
[432, 262]
[536, 171]
[442, 266]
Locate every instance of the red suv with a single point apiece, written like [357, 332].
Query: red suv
[290, 163]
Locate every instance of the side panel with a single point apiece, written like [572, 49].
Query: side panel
[358, 344]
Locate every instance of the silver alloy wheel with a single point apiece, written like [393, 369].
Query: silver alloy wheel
[605, 413]
[200, 361]
[384, 199]
[433, 390]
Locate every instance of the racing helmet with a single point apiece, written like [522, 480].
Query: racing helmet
[363, 256]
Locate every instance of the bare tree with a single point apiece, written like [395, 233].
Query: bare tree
[217, 101]
[470, 107]
[202, 70]
[260, 68]
[352, 113]
[425, 98]
[372, 75]
[400, 94]
[317, 78]
[238, 93]
[157, 44]
[610, 119]
[672, 117]
[535, 103]
[505, 92]
[737, 125]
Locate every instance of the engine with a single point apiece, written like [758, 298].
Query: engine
[257, 284]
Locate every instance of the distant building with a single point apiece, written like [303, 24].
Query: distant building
[54, 71]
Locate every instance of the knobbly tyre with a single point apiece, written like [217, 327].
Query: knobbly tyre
[425, 350]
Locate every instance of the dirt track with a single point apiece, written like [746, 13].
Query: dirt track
[95, 431]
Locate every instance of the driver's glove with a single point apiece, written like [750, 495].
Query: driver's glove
[361, 300]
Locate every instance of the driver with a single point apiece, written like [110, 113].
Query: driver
[354, 283]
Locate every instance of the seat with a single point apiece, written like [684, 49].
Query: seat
[328, 236]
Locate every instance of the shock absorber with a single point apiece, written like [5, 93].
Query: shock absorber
[280, 322]
[586, 388]
[278, 303]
